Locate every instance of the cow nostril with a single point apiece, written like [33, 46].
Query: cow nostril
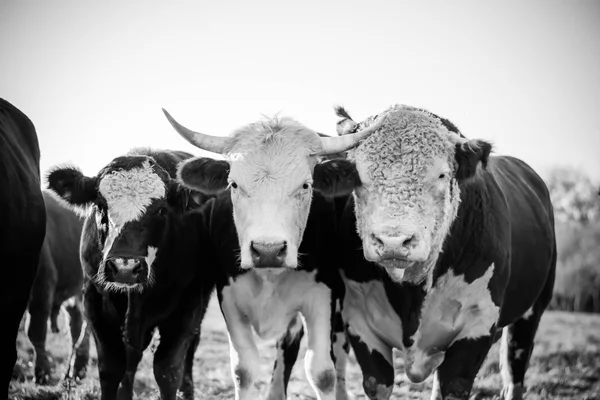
[253, 250]
[283, 250]
[110, 268]
[376, 241]
[137, 270]
[408, 241]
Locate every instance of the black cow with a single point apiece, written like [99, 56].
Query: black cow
[448, 248]
[22, 224]
[146, 264]
[59, 278]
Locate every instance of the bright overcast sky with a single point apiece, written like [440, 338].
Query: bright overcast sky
[93, 76]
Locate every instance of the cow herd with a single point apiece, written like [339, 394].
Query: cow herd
[396, 233]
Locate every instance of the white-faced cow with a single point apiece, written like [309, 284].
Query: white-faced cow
[146, 267]
[285, 262]
[453, 248]
[22, 225]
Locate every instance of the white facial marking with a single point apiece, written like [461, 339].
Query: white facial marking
[453, 310]
[128, 193]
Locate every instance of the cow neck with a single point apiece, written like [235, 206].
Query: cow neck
[470, 247]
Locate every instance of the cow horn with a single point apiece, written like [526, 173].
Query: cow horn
[214, 144]
[337, 144]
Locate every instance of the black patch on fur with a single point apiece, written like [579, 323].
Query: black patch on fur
[335, 178]
[243, 377]
[204, 174]
[468, 155]
[373, 365]
[326, 381]
[71, 185]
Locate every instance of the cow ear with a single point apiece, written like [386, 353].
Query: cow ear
[183, 198]
[72, 187]
[204, 174]
[468, 155]
[335, 178]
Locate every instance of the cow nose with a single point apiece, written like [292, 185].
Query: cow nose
[400, 244]
[268, 255]
[129, 271]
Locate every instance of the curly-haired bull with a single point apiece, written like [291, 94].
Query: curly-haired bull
[453, 248]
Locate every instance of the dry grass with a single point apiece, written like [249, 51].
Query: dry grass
[565, 365]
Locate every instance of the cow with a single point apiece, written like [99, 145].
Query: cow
[59, 278]
[146, 266]
[450, 249]
[22, 224]
[284, 266]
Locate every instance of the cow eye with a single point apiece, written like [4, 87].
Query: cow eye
[306, 186]
[233, 185]
[442, 176]
[162, 210]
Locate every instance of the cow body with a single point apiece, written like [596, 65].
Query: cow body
[59, 278]
[277, 304]
[280, 264]
[146, 267]
[442, 289]
[23, 222]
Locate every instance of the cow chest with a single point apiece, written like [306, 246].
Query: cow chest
[269, 301]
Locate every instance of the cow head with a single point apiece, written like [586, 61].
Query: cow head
[411, 171]
[129, 205]
[271, 168]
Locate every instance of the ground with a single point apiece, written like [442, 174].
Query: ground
[565, 365]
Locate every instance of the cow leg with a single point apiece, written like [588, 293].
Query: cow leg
[80, 337]
[376, 363]
[287, 353]
[19, 273]
[340, 349]
[318, 361]
[517, 343]
[40, 306]
[243, 352]
[461, 364]
[171, 358]
[109, 342]
[187, 384]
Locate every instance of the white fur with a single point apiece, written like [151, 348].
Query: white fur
[129, 192]
[370, 316]
[453, 310]
[266, 304]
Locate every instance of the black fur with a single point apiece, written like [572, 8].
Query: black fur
[22, 228]
[335, 178]
[468, 155]
[204, 174]
[71, 185]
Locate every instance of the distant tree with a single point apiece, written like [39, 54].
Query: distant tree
[574, 196]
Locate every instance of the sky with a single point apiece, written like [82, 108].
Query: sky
[93, 76]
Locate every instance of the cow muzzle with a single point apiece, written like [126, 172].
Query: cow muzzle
[268, 254]
[396, 251]
[126, 271]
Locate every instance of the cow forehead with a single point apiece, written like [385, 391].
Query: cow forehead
[128, 192]
[273, 135]
[399, 155]
[273, 153]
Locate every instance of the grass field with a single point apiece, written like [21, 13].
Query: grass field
[565, 365]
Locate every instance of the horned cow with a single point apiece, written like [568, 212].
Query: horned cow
[271, 186]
